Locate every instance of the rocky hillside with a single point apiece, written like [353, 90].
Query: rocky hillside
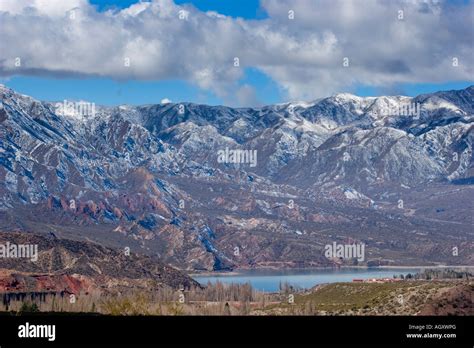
[66, 265]
[395, 173]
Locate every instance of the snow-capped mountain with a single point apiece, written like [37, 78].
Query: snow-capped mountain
[391, 171]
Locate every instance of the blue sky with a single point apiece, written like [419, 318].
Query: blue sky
[111, 92]
[266, 85]
[249, 9]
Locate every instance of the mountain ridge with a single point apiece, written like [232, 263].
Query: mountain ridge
[149, 177]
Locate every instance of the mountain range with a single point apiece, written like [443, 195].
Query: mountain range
[393, 172]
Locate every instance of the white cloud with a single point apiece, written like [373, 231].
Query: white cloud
[165, 101]
[304, 55]
[42, 7]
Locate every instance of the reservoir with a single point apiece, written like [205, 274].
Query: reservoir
[270, 280]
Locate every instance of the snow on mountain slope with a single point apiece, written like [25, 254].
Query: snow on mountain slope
[137, 165]
[337, 133]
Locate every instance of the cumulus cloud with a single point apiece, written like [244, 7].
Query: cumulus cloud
[302, 45]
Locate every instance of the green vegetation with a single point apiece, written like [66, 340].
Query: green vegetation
[387, 298]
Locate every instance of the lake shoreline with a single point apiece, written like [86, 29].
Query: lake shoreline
[263, 269]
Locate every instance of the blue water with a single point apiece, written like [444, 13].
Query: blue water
[269, 280]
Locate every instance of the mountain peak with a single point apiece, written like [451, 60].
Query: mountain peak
[346, 96]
